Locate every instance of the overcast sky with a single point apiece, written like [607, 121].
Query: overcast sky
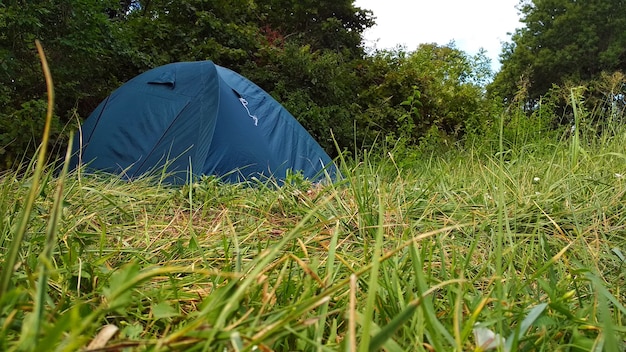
[472, 24]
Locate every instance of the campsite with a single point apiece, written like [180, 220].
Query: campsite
[223, 176]
[195, 118]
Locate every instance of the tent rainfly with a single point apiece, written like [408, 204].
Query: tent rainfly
[196, 118]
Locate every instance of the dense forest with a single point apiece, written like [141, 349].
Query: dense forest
[310, 56]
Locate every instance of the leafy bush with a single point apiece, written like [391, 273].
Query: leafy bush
[435, 94]
[20, 131]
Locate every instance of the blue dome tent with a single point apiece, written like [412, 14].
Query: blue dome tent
[196, 118]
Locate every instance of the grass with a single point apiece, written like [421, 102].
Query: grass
[530, 247]
[513, 249]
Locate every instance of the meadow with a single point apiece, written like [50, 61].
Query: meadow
[509, 246]
[514, 242]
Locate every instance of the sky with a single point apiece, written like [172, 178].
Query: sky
[472, 24]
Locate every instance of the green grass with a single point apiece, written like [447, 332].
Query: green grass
[528, 243]
[523, 242]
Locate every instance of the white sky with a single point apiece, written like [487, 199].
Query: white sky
[472, 24]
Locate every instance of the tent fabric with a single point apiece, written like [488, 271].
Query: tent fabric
[196, 118]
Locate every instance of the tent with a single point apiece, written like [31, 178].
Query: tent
[196, 118]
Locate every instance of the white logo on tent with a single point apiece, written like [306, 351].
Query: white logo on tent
[244, 102]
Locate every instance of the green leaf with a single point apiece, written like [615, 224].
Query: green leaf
[117, 293]
[389, 344]
[163, 310]
[384, 335]
[533, 315]
[132, 331]
[619, 253]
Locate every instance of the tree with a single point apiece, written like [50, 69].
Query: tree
[562, 40]
[434, 92]
[82, 48]
[165, 31]
[323, 24]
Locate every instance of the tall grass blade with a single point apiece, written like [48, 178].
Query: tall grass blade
[502, 211]
[437, 330]
[31, 332]
[372, 287]
[384, 336]
[388, 345]
[530, 318]
[611, 343]
[18, 236]
[577, 105]
[351, 346]
[330, 271]
[603, 291]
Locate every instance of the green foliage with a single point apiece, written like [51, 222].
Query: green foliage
[162, 32]
[562, 41]
[21, 128]
[407, 120]
[82, 46]
[335, 25]
[435, 92]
